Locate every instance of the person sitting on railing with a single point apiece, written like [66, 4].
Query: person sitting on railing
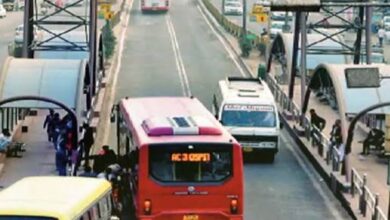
[375, 137]
[316, 120]
[335, 134]
[336, 140]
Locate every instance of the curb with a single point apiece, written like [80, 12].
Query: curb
[329, 178]
[101, 96]
[100, 121]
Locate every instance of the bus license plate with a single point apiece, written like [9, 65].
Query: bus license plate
[191, 217]
[247, 149]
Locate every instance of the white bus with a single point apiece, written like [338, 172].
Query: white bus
[154, 5]
[246, 107]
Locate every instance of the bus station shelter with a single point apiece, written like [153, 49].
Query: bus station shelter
[331, 80]
[60, 80]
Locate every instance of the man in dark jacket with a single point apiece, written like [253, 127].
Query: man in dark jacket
[48, 124]
[316, 120]
[87, 142]
[336, 135]
[375, 137]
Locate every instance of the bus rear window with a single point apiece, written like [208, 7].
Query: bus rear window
[11, 217]
[190, 162]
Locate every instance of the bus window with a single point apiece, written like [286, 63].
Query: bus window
[26, 218]
[109, 202]
[86, 216]
[95, 212]
[205, 164]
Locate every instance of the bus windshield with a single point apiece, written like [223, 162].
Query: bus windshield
[248, 115]
[190, 162]
[9, 217]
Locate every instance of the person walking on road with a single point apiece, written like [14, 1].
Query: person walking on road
[48, 124]
[381, 36]
[316, 120]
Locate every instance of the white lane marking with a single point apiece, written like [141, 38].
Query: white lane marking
[227, 48]
[117, 68]
[313, 178]
[179, 61]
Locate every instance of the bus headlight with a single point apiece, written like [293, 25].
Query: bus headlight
[233, 206]
[147, 207]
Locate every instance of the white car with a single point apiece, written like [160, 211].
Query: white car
[386, 22]
[233, 8]
[19, 33]
[3, 12]
[281, 16]
[276, 27]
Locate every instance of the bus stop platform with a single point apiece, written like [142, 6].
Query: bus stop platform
[39, 157]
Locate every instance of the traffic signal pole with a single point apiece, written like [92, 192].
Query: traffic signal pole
[244, 19]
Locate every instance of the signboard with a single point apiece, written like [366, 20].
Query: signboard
[105, 7]
[262, 18]
[108, 15]
[257, 9]
[190, 157]
[239, 107]
[367, 77]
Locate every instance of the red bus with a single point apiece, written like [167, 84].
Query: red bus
[183, 164]
[154, 5]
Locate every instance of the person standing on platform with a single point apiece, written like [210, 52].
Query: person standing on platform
[316, 120]
[87, 142]
[381, 36]
[48, 124]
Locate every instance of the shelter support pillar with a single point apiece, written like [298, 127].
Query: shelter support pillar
[295, 54]
[356, 58]
[93, 46]
[368, 33]
[28, 26]
[303, 59]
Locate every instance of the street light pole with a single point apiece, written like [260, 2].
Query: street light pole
[244, 19]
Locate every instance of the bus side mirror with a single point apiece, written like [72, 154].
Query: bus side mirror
[112, 115]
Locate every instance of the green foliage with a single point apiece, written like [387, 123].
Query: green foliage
[109, 40]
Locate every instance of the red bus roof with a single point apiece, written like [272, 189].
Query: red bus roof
[172, 120]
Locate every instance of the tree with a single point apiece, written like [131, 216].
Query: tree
[109, 40]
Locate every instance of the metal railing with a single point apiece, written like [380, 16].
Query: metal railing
[367, 200]
[331, 154]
